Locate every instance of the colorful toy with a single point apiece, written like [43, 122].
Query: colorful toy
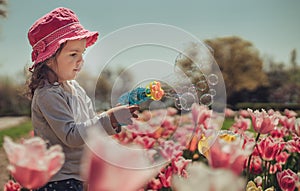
[139, 95]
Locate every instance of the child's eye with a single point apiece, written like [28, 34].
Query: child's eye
[74, 54]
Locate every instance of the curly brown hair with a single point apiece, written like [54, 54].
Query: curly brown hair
[40, 74]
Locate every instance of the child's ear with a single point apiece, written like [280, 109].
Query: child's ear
[50, 62]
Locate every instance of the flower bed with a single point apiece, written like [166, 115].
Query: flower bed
[182, 152]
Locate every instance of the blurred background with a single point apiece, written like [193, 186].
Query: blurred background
[255, 43]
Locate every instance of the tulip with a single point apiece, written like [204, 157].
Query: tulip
[108, 165]
[287, 180]
[31, 164]
[290, 113]
[268, 148]
[229, 151]
[251, 186]
[263, 122]
[229, 112]
[255, 165]
[201, 177]
[12, 186]
[200, 115]
[240, 125]
[244, 113]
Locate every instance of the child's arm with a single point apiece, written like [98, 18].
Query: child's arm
[60, 118]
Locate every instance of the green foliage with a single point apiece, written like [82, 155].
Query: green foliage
[16, 132]
[12, 101]
[239, 63]
[3, 11]
[227, 123]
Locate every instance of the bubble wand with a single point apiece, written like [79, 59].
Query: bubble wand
[140, 94]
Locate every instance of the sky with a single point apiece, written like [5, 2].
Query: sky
[272, 26]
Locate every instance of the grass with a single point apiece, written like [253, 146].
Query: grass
[227, 123]
[16, 132]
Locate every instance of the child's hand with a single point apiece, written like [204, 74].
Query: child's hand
[121, 115]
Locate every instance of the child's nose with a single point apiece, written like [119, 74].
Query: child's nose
[80, 60]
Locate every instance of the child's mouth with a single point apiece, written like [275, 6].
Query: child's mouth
[77, 69]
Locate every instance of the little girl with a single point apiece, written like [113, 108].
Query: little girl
[61, 110]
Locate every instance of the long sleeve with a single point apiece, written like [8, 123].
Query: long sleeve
[61, 117]
[57, 112]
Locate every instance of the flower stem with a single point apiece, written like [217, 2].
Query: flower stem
[250, 157]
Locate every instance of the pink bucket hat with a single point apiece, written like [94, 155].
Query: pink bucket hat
[50, 31]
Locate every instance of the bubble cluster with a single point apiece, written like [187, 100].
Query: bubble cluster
[193, 77]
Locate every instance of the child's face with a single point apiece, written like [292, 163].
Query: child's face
[69, 61]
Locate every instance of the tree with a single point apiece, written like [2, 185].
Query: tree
[2, 10]
[293, 59]
[108, 89]
[239, 63]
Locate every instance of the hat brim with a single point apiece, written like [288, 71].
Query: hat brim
[91, 38]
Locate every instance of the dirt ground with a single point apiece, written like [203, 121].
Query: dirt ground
[4, 174]
[6, 122]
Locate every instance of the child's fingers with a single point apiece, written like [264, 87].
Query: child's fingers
[134, 115]
[133, 108]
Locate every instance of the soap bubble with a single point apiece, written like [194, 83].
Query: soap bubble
[202, 85]
[206, 99]
[212, 92]
[187, 99]
[212, 79]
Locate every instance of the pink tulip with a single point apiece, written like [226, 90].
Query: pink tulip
[290, 113]
[170, 149]
[200, 115]
[155, 184]
[282, 157]
[287, 180]
[263, 122]
[244, 113]
[31, 164]
[218, 158]
[12, 186]
[275, 168]
[229, 154]
[268, 148]
[256, 165]
[293, 145]
[288, 123]
[108, 165]
[229, 112]
[277, 133]
[202, 177]
[240, 125]
[165, 177]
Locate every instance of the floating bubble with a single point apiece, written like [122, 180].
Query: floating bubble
[206, 99]
[177, 103]
[187, 99]
[212, 79]
[192, 90]
[212, 92]
[201, 85]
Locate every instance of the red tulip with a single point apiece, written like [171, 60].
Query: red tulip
[12, 186]
[256, 165]
[268, 148]
[287, 180]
